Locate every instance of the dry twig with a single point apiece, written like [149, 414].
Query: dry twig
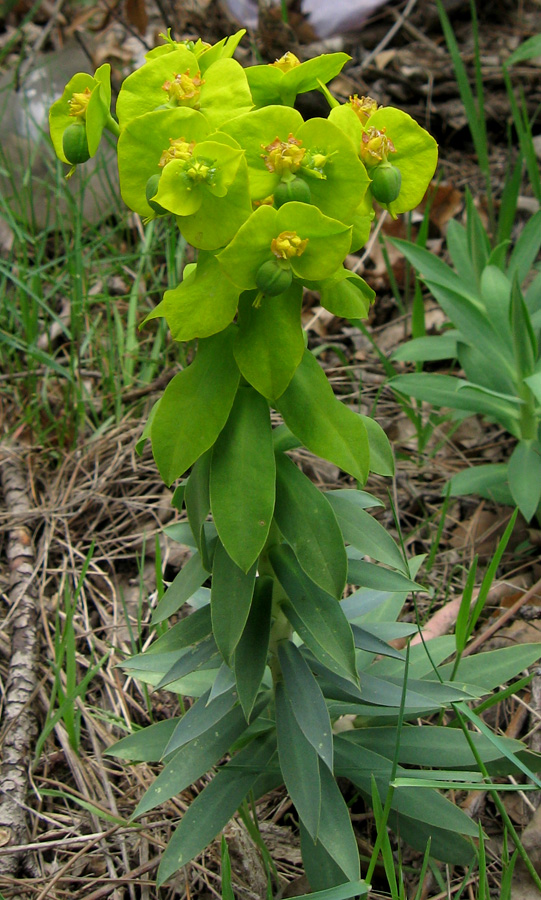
[19, 725]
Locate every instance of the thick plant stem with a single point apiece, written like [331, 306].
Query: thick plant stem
[529, 421]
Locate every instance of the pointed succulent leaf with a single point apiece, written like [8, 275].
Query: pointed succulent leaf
[298, 762]
[252, 649]
[195, 406]
[306, 700]
[322, 422]
[216, 804]
[270, 340]
[316, 616]
[192, 760]
[524, 477]
[203, 715]
[243, 473]
[307, 521]
[184, 585]
[230, 600]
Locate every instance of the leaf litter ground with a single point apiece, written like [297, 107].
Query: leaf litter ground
[95, 505]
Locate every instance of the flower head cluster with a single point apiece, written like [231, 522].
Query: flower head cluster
[179, 148]
[184, 89]
[270, 202]
[288, 244]
[283, 156]
[286, 62]
[363, 107]
[78, 104]
[375, 146]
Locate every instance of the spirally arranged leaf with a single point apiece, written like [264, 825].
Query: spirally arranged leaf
[270, 343]
[230, 599]
[215, 805]
[190, 661]
[197, 496]
[199, 719]
[380, 579]
[335, 828]
[307, 701]
[195, 406]
[418, 814]
[524, 477]
[242, 479]
[324, 425]
[305, 518]
[253, 646]
[190, 630]
[146, 744]
[316, 616]
[298, 762]
[193, 760]
[184, 585]
[363, 532]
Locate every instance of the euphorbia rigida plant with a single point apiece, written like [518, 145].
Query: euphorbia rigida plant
[271, 204]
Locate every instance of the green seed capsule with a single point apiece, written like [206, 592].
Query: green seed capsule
[272, 278]
[386, 181]
[150, 191]
[296, 189]
[75, 144]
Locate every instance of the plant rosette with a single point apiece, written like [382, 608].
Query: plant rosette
[281, 81]
[169, 162]
[85, 104]
[296, 237]
[175, 79]
[280, 147]
[390, 136]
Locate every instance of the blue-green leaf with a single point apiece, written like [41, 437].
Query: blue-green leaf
[193, 760]
[380, 579]
[309, 525]
[200, 718]
[184, 585]
[298, 762]
[363, 532]
[307, 701]
[253, 646]
[230, 599]
[315, 615]
[215, 805]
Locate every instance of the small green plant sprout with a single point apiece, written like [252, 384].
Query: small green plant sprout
[494, 305]
[272, 204]
[492, 298]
